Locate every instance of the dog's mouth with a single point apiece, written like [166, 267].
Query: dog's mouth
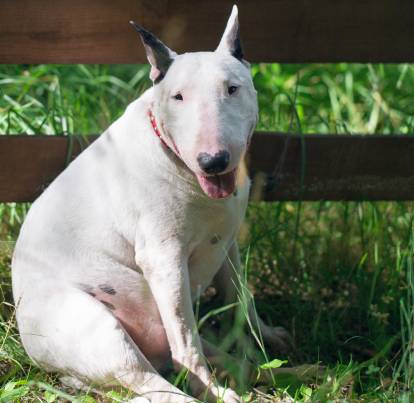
[218, 186]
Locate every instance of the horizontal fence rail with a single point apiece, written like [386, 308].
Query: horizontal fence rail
[97, 31]
[283, 166]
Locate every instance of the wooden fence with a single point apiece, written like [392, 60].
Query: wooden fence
[293, 167]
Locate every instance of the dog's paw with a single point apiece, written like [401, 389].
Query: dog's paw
[220, 394]
[230, 396]
[227, 395]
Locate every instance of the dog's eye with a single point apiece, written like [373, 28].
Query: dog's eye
[232, 89]
[178, 97]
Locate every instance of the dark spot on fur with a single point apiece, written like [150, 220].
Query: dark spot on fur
[88, 289]
[235, 193]
[109, 305]
[215, 239]
[107, 289]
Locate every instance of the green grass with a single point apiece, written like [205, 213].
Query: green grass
[338, 276]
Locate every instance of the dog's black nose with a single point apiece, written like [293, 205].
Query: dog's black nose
[214, 164]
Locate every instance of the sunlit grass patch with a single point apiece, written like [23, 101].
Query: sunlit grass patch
[66, 99]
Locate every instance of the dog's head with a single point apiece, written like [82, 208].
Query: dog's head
[205, 106]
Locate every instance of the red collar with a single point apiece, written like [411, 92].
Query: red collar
[158, 134]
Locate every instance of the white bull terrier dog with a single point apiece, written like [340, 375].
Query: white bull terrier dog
[113, 254]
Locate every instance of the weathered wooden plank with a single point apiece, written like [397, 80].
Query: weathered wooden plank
[29, 163]
[334, 167]
[291, 167]
[97, 31]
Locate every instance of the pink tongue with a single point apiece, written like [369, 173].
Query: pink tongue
[218, 186]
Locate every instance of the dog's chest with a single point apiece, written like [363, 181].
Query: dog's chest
[213, 231]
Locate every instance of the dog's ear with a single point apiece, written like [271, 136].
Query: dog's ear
[230, 41]
[159, 55]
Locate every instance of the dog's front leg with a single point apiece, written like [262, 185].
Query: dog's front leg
[166, 271]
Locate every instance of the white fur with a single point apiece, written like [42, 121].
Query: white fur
[128, 213]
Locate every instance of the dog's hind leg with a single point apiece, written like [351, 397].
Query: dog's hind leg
[229, 283]
[74, 334]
